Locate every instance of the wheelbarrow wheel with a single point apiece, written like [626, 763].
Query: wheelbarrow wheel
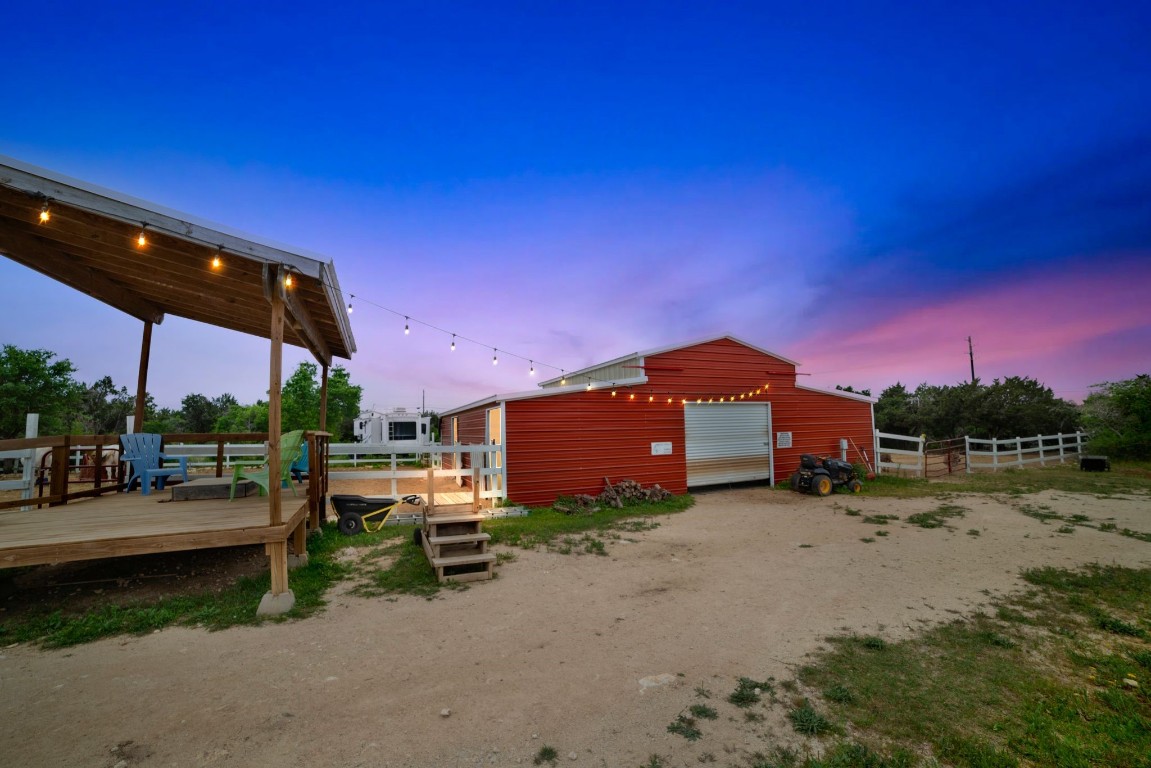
[855, 486]
[418, 537]
[821, 485]
[351, 524]
[795, 481]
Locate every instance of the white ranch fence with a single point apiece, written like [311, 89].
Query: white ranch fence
[907, 457]
[905, 454]
[1021, 451]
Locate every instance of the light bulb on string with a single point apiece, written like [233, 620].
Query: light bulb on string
[141, 240]
[407, 329]
[453, 342]
[563, 377]
[288, 280]
[495, 360]
[589, 385]
[651, 398]
[669, 401]
[532, 370]
[45, 214]
[218, 261]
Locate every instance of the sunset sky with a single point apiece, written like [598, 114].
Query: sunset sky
[856, 186]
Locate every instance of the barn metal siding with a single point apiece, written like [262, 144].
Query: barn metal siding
[567, 443]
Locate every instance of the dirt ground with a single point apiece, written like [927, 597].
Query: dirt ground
[593, 656]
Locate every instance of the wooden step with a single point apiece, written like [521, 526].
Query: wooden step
[454, 518]
[480, 557]
[466, 538]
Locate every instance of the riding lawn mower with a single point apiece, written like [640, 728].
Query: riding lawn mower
[821, 475]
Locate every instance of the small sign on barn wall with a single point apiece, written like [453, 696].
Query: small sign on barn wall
[782, 439]
[661, 449]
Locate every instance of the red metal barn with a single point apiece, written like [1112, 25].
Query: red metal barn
[704, 413]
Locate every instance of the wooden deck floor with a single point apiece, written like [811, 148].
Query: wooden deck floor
[121, 524]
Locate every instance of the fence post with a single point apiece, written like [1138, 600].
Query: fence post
[1042, 463]
[967, 452]
[1061, 447]
[878, 468]
[922, 459]
[31, 429]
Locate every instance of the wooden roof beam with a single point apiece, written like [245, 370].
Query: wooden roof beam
[300, 319]
[46, 260]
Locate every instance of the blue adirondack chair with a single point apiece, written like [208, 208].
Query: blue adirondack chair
[300, 465]
[142, 452]
[290, 443]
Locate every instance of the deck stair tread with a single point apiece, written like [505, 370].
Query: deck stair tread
[479, 557]
[454, 518]
[465, 538]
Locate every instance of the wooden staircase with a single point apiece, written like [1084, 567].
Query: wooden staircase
[456, 547]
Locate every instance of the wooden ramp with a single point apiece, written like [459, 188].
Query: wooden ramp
[457, 548]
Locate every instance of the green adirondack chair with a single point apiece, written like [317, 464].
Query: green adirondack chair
[290, 448]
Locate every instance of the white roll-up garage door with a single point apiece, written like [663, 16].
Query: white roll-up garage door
[727, 442]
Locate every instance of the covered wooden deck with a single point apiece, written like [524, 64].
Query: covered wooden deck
[121, 524]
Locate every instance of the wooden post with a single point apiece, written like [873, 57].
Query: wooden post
[475, 489]
[219, 458]
[279, 599]
[324, 398]
[142, 379]
[59, 483]
[431, 490]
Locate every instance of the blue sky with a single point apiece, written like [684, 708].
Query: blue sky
[857, 186]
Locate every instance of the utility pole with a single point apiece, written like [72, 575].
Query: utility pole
[971, 355]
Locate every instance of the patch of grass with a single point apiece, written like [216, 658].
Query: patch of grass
[546, 755]
[1105, 527]
[935, 518]
[703, 712]
[748, 691]
[752, 717]
[1124, 478]
[213, 610]
[868, 540]
[878, 519]
[852, 512]
[545, 526]
[653, 761]
[806, 546]
[685, 727]
[806, 720]
[979, 692]
[1065, 529]
[839, 693]
[702, 692]
[972, 531]
[883, 533]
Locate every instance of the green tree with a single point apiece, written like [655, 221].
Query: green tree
[1021, 407]
[201, 414]
[301, 401]
[343, 405]
[31, 383]
[103, 409]
[244, 418]
[897, 411]
[1118, 416]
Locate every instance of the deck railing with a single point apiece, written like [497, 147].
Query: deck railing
[94, 459]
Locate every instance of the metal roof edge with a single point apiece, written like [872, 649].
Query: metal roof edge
[105, 201]
[840, 393]
[536, 393]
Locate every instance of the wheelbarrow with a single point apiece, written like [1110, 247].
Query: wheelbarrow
[360, 513]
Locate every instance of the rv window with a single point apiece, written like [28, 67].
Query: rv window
[401, 430]
[423, 429]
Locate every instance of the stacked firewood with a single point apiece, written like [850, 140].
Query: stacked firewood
[615, 495]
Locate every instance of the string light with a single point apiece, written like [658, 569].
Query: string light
[45, 214]
[453, 342]
[563, 377]
[631, 396]
[217, 261]
[495, 360]
[407, 329]
[141, 240]
[651, 398]
[589, 384]
[669, 401]
[613, 392]
[288, 280]
[532, 372]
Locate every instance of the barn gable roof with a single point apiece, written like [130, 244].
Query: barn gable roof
[639, 356]
[550, 389]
